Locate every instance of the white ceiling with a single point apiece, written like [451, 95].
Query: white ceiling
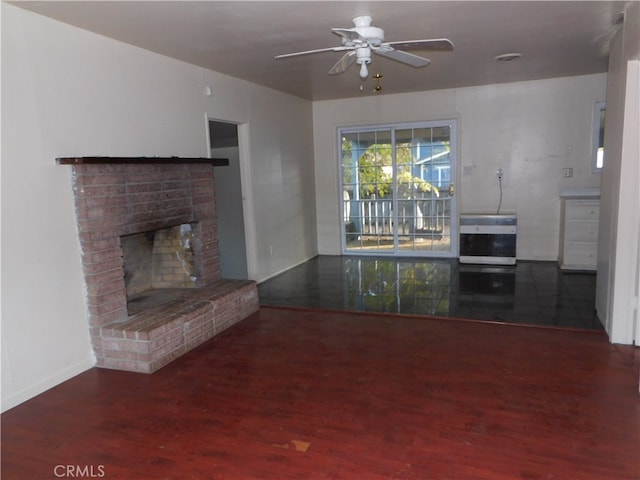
[241, 38]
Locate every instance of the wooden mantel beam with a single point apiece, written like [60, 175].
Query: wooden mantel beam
[216, 162]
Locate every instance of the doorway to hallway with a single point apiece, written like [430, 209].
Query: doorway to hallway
[223, 138]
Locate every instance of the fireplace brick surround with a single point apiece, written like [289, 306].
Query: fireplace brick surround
[124, 196]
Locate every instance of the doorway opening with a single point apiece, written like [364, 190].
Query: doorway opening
[223, 142]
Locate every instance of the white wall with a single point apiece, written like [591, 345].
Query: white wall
[68, 92]
[618, 284]
[529, 129]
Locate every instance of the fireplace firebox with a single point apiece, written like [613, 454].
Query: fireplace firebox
[157, 262]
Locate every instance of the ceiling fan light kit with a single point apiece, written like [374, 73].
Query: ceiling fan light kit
[363, 39]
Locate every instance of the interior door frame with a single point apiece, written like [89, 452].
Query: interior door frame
[396, 252]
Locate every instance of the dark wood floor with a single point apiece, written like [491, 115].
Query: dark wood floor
[298, 394]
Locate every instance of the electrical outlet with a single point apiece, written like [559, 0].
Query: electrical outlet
[499, 174]
[567, 172]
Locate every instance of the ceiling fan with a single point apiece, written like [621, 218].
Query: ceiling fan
[363, 39]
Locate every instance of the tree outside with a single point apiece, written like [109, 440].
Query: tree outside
[374, 172]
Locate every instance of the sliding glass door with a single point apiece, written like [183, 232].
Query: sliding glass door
[398, 193]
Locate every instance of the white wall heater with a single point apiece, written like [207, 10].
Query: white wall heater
[488, 239]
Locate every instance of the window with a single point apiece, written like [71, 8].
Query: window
[598, 137]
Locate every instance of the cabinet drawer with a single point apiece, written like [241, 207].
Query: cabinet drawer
[581, 254]
[583, 210]
[582, 231]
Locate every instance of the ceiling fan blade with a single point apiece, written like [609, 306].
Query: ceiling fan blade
[404, 57]
[348, 34]
[320, 50]
[345, 62]
[437, 44]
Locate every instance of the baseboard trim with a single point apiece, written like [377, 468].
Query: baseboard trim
[21, 396]
[287, 268]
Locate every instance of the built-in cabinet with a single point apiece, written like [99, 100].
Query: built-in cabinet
[579, 230]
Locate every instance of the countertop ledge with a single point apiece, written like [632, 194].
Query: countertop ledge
[583, 192]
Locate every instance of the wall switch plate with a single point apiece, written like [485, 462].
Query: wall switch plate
[567, 172]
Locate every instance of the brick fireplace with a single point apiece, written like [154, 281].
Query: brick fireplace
[150, 207]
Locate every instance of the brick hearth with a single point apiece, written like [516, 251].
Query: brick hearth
[150, 340]
[116, 197]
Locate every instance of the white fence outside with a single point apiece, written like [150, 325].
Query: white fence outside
[376, 216]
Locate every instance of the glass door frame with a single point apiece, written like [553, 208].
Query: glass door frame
[453, 220]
